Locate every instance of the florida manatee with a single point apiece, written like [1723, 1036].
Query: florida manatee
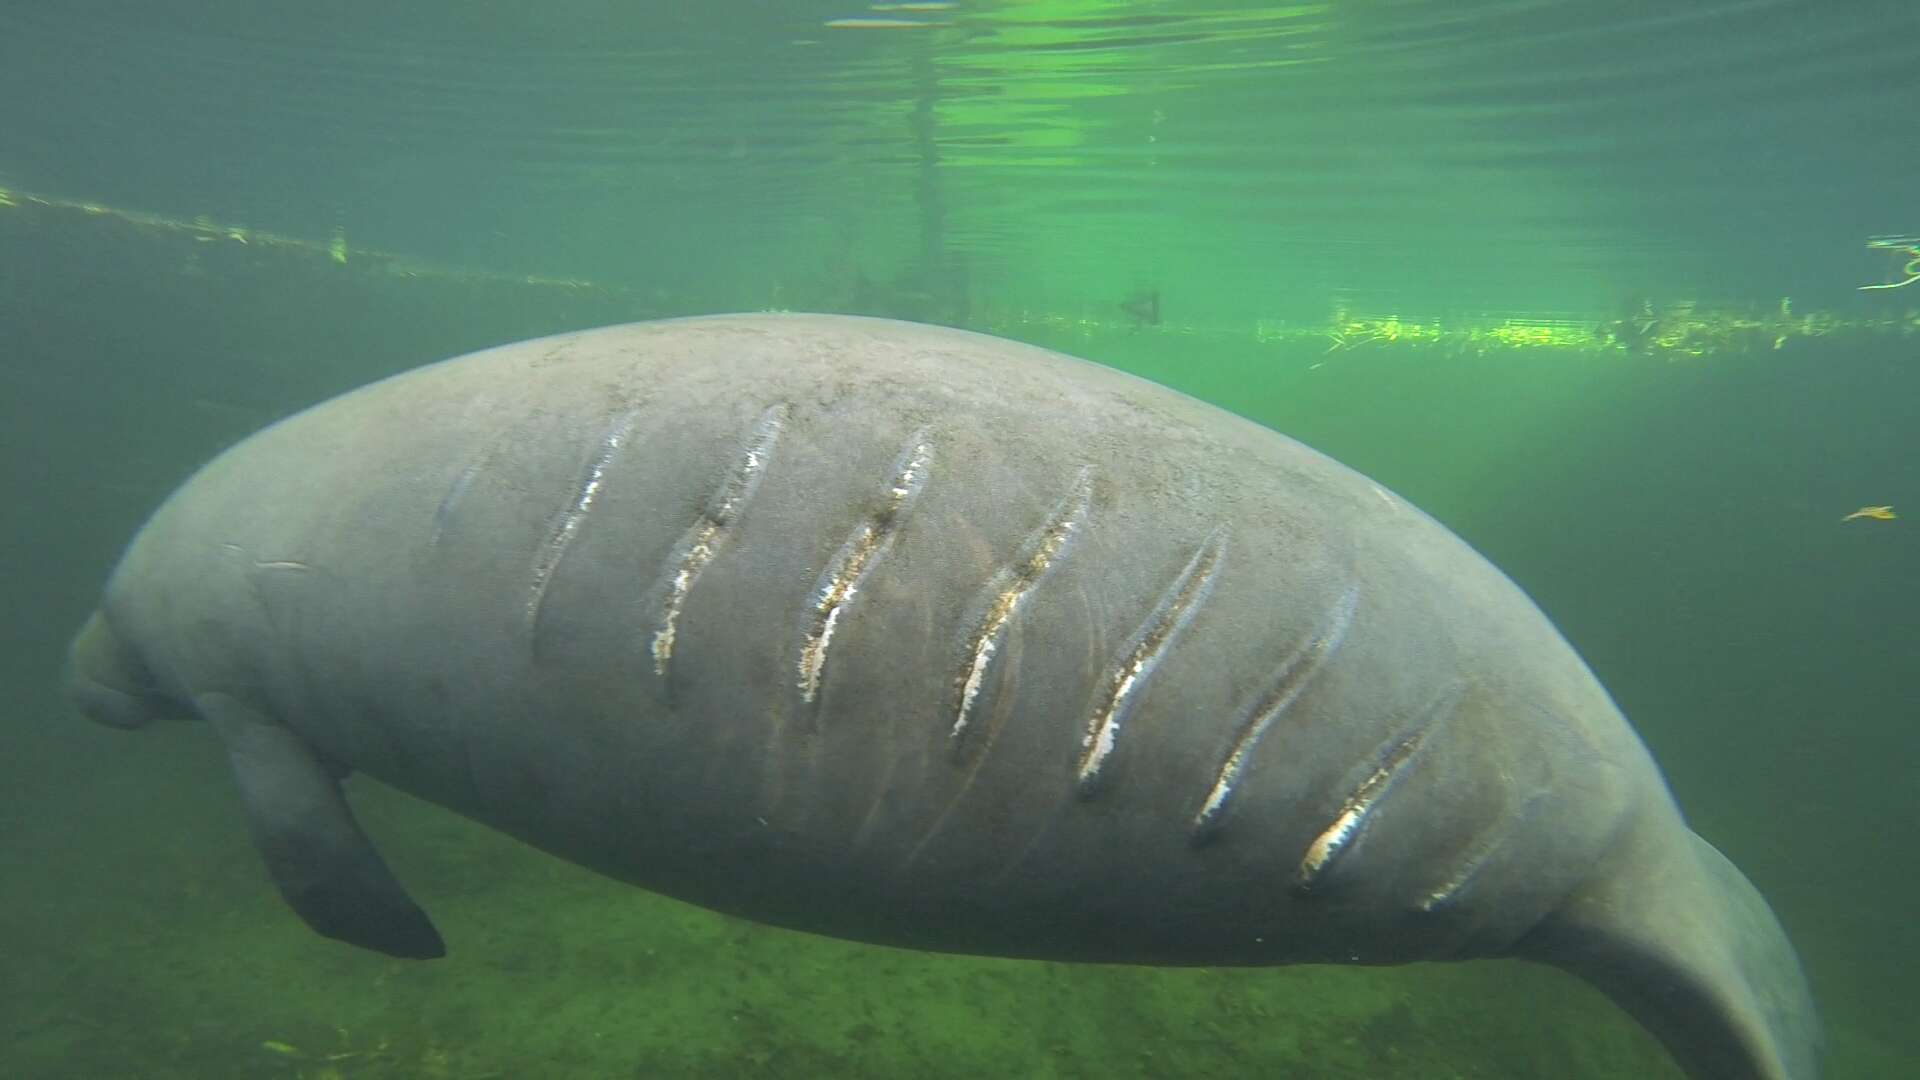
[920, 637]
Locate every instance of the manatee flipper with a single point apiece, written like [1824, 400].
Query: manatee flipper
[325, 867]
[1684, 943]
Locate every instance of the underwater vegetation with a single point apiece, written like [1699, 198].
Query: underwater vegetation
[1676, 329]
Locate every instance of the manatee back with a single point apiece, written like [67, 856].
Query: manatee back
[908, 635]
[931, 625]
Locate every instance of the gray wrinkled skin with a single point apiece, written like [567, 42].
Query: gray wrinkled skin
[920, 637]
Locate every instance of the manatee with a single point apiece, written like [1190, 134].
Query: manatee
[920, 637]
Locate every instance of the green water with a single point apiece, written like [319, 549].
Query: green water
[1042, 170]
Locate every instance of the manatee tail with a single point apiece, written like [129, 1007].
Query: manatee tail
[1681, 940]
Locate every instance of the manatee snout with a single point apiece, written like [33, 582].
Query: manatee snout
[107, 680]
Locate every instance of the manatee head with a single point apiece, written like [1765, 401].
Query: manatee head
[111, 684]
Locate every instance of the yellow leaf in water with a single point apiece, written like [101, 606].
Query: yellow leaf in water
[1878, 513]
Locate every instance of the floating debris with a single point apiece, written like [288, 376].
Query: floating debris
[1872, 513]
[1909, 245]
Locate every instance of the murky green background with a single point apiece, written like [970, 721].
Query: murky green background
[217, 212]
